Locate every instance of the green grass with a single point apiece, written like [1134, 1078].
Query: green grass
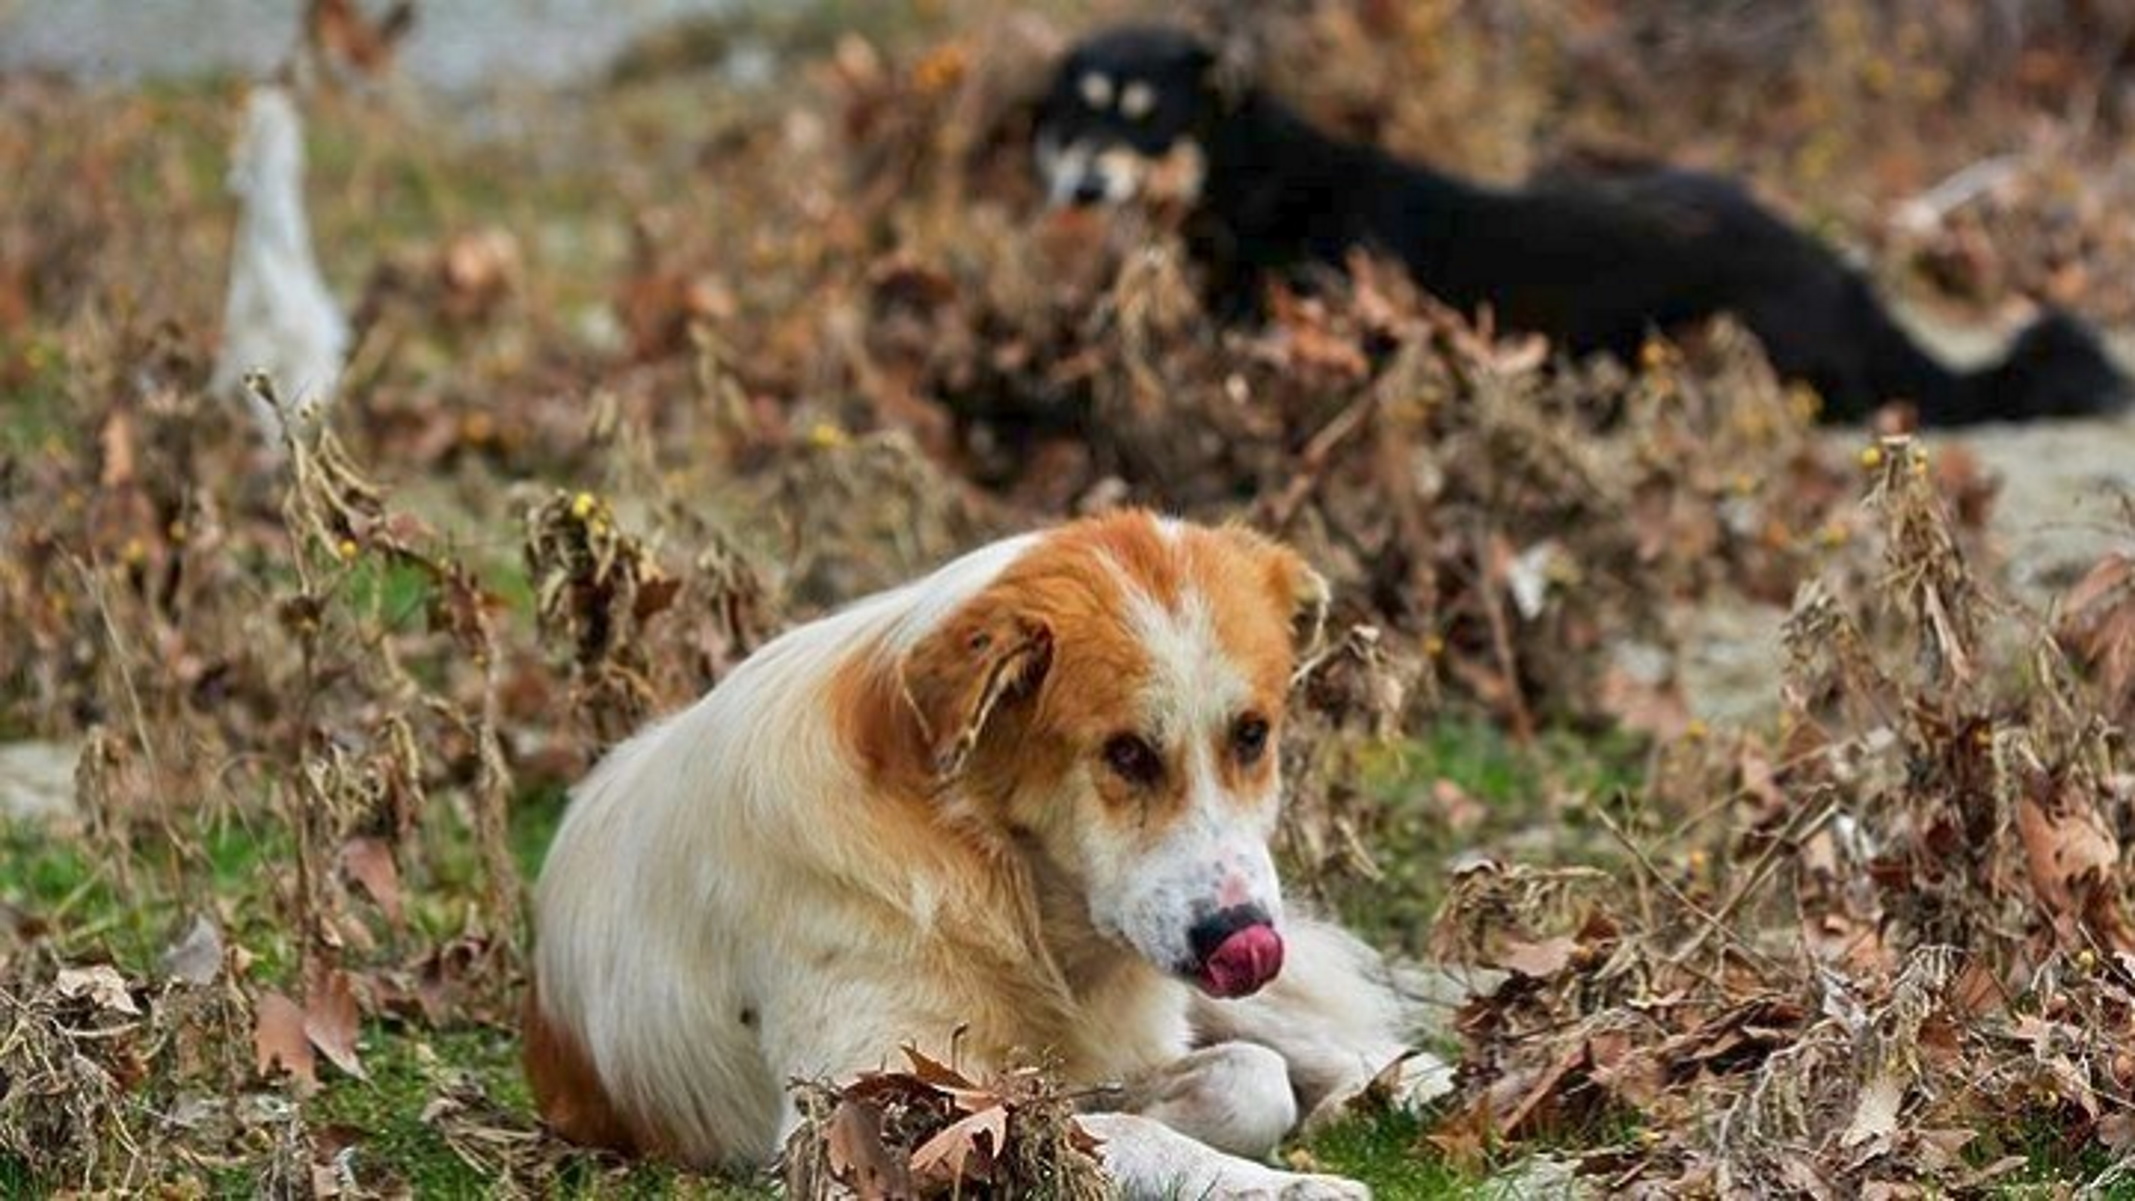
[2054, 1155]
[1386, 1153]
[67, 884]
[34, 411]
[405, 1068]
[1413, 844]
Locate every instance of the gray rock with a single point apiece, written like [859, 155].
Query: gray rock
[37, 779]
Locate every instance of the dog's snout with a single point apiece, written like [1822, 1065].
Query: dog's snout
[1236, 950]
[1214, 930]
[1088, 190]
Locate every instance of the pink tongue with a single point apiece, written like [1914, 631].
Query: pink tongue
[1246, 960]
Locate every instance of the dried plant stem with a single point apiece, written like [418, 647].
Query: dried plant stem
[1508, 660]
[94, 585]
[1313, 460]
[1759, 873]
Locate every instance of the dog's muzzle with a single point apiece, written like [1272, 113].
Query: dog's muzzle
[1236, 951]
[1083, 175]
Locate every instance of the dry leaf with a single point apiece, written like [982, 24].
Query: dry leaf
[369, 862]
[478, 267]
[860, 1159]
[2063, 850]
[935, 1073]
[278, 1039]
[1648, 706]
[102, 984]
[339, 31]
[963, 1150]
[116, 440]
[1539, 960]
[332, 1021]
[1457, 807]
[1875, 1112]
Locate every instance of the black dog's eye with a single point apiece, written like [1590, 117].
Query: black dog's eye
[1132, 758]
[1249, 738]
[1137, 101]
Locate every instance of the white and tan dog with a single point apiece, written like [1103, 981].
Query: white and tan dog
[1021, 806]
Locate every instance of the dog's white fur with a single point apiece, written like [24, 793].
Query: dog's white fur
[737, 898]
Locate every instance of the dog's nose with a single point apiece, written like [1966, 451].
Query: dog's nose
[1211, 931]
[1088, 190]
[1236, 951]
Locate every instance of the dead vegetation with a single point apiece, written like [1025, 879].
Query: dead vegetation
[1894, 943]
[603, 435]
[929, 1131]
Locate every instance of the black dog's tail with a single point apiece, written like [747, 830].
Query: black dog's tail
[2055, 368]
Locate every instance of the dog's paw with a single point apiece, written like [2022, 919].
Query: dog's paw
[1408, 1085]
[1323, 1188]
[1256, 1183]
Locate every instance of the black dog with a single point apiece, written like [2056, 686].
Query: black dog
[1596, 263]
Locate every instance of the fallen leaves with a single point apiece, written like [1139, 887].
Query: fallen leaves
[102, 985]
[1539, 960]
[290, 1038]
[369, 862]
[1957, 883]
[2097, 629]
[2070, 851]
[280, 1042]
[332, 1021]
[1875, 1113]
[76, 1042]
[930, 1132]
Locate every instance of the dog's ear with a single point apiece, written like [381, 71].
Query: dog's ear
[1225, 70]
[954, 680]
[1299, 593]
[1310, 599]
[1306, 593]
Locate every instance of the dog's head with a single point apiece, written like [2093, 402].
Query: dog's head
[1124, 105]
[1111, 705]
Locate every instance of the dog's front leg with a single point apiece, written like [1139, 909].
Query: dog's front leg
[1336, 1021]
[1149, 1161]
[1201, 1126]
[1235, 1097]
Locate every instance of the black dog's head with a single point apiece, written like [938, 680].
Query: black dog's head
[1122, 101]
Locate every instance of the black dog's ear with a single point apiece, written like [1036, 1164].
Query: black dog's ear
[1225, 70]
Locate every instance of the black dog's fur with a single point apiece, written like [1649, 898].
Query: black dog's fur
[1595, 262]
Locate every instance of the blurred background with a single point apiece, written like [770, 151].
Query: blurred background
[667, 324]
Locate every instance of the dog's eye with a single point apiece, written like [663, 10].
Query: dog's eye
[1249, 738]
[1096, 89]
[1137, 100]
[1132, 758]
